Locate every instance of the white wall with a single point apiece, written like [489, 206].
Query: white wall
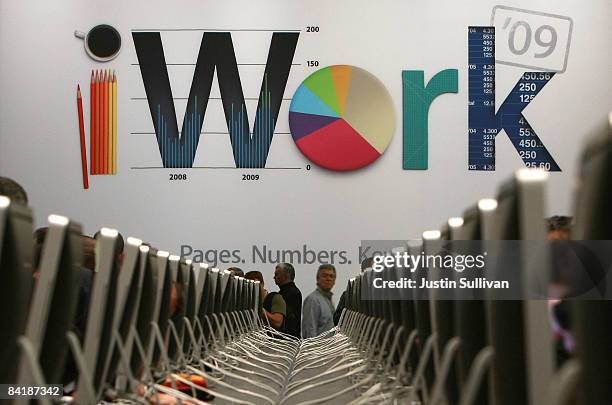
[41, 62]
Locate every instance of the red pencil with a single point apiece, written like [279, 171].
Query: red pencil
[97, 134]
[104, 140]
[92, 124]
[82, 133]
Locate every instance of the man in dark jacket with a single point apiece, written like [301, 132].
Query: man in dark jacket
[284, 274]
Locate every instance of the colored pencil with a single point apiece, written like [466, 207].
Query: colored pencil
[104, 106]
[114, 123]
[94, 100]
[99, 138]
[92, 123]
[109, 141]
[102, 122]
[96, 113]
[98, 120]
[82, 136]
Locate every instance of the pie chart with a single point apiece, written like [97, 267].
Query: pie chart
[342, 118]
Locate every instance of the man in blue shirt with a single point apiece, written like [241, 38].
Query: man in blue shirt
[318, 310]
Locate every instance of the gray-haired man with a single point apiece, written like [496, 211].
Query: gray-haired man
[318, 310]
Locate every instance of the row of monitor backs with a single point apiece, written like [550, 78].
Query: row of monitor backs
[518, 331]
[38, 317]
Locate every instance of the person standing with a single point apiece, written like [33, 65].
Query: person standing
[274, 307]
[236, 271]
[284, 276]
[318, 308]
[559, 229]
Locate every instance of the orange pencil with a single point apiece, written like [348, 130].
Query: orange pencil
[104, 123]
[92, 124]
[101, 123]
[98, 120]
[96, 115]
[114, 123]
[99, 134]
[109, 143]
[82, 138]
[107, 132]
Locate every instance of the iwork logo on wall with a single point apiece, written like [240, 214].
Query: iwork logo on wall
[342, 117]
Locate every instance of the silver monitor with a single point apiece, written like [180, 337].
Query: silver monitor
[519, 330]
[16, 271]
[98, 333]
[592, 319]
[53, 306]
[470, 316]
[146, 309]
[201, 270]
[129, 291]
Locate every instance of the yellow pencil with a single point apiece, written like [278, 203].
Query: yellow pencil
[114, 123]
[109, 139]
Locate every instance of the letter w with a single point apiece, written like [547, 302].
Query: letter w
[216, 52]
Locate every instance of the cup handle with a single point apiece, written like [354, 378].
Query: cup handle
[80, 34]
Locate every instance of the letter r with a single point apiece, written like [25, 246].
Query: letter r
[416, 101]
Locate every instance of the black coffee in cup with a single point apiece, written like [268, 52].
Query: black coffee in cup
[103, 41]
